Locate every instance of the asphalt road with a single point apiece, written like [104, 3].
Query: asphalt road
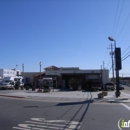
[17, 113]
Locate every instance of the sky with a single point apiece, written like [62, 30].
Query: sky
[64, 33]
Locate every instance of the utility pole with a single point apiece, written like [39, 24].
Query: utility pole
[103, 65]
[112, 54]
[101, 73]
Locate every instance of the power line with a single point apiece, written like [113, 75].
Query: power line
[124, 25]
[126, 54]
[126, 57]
[107, 61]
[125, 34]
[115, 17]
[126, 50]
[105, 55]
[119, 16]
[108, 64]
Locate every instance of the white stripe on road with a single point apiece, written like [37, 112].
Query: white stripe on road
[18, 128]
[42, 124]
[126, 106]
[55, 121]
[46, 124]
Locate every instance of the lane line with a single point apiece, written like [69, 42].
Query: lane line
[126, 106]
[18, 128]
[36, 123]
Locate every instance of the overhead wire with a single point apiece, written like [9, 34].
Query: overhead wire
[105, 58]
[115, 18]
[108, 64]
[119, 16]
[126, 54]
[123, 25]
[105, 55]
[126, 57]
[125, 50]
[125, 34]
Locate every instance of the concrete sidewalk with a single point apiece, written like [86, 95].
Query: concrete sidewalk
[66, 96]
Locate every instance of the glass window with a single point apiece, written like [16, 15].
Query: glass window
[4, 72]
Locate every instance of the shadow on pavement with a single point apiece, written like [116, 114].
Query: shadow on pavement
[74, 103]
[30, 106]
[85, 104]
[37, 106]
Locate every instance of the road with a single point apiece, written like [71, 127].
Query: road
[15, 114]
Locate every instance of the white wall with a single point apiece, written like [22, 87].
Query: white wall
[1, 73]
[8, 73]
[105, 76]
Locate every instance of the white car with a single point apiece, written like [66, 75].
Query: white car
[109, 86]
[6, 85]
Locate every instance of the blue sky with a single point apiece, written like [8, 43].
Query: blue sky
[64, 33]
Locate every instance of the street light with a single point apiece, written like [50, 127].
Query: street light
[40, 69]
[23, 68]
[40, 64]
[111, 39]
[23, 75]
[117, 71]
[16, 70]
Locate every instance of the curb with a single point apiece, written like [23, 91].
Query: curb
[11, 96]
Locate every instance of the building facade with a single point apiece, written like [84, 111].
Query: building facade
[9, 73]
[29, 76]
[61, 76]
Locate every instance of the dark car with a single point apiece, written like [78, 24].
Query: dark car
[121, 87]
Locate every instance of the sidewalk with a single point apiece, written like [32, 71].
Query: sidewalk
[66, 96]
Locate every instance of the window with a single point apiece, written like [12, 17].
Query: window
[4, 72]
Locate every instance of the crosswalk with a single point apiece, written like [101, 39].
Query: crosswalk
[43, 124]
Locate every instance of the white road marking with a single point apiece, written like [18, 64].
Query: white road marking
[54, 121]
[42, 124]
[126, 106]
[18, 128]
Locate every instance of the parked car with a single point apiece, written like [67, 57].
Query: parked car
[6, 85]
[121, 87]
[109, 86]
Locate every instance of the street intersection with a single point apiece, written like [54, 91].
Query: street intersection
[62, 109]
